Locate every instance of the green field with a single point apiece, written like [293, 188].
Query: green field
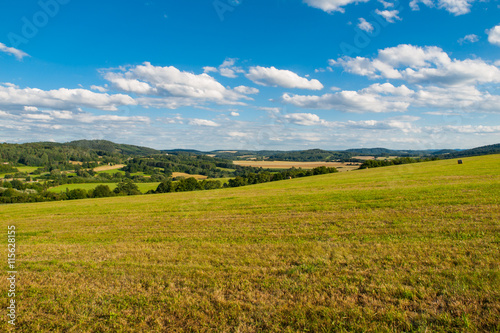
[143, 187]
[112, 172]
[26, 169]
[413, 247]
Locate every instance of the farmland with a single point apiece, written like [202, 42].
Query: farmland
[143, 187]
[412, 247]
[185, 175]
[304, 165]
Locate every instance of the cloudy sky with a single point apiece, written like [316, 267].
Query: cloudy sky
[252, 74]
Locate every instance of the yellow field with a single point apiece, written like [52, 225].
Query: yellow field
[186, 175]
[109, 167]
[290, 164]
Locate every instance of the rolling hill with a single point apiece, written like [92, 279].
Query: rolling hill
[412, 247]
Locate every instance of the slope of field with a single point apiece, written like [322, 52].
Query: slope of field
[413, 247]
[303, 165]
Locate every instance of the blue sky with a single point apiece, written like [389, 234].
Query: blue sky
[252, 74]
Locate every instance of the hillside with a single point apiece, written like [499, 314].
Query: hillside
[411, 247]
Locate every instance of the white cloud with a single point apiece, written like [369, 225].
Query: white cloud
[403, 123]
[208, 69]
[494, 35]
[386, 4]
[365, 25]
[330, 6]
[415, 64]
[227, 68]
[271, 76]
[305, 119]
[99, 88]
[13, 51]
[464, 129]
[463, 98]
[389, 15]
[234, 114]
[468, 39]
[61, 99]
[171, 87]
[246, 90]
[456, 7]
[377, 98]
[203, 122]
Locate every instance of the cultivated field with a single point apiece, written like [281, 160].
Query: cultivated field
[412, 247]
[186, 175]
[109, 167]
[303, 165]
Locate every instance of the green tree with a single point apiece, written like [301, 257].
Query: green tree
[102, 191]
[127, 187]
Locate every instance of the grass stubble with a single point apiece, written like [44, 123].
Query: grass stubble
[403, 248]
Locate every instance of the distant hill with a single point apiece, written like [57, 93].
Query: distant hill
[390, 152]
[484, 150]
[111, 147]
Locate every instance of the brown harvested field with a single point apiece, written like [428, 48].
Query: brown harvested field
[109, 167]
[187, 175]
[290, 164]
[75, 162]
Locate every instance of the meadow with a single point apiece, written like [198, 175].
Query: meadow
[412, 248]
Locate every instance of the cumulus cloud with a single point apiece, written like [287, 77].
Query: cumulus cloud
[227, 68]
[389, 15]
[494, 35]
[331, 6]
[13, 51]
[12, 96]
[416, 64]
[99, 88]
[203, 122]
[456, 7]
[377, 98]
[171, 87]
[271, 76]
[305, 119]
[404, 124]
[365, 25]
[468, 39]
[246, 90]
[234, 114]
[386, 4]
[462, 98]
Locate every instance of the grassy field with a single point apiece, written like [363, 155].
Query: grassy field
[412, 247]
[303, 165]
[143, 187]
[26, 169]
[112, 171]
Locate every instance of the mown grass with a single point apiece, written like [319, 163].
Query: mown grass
[143, 187]
[412, 248]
